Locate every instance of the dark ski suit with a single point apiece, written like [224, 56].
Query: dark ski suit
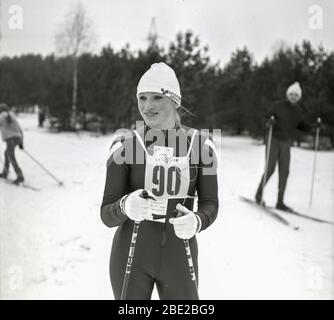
[160, 256]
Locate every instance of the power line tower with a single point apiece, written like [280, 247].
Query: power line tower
[153, 36]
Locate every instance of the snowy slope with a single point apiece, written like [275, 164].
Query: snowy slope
[54, 245]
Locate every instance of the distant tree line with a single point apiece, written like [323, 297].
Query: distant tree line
[234, 97]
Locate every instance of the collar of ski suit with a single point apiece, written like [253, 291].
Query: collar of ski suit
[165, 131]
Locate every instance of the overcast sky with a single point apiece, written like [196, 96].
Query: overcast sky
[223, 25]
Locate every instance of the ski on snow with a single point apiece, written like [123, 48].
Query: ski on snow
[22, 184]
[270, 212]
[303, 216]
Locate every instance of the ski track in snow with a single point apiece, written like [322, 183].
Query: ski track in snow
[53, 244]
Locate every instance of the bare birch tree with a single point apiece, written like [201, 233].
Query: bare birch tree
[74, 37]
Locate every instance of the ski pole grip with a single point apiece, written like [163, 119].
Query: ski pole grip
[270, 122]
[145, 195]
[319, 120]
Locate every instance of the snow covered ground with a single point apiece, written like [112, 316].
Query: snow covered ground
[53, 244]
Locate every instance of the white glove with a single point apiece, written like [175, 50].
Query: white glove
[185, 226]
[137, 207]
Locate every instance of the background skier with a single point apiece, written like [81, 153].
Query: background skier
[286, 118]
[12, 134]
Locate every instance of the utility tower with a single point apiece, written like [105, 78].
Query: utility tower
[153, 35]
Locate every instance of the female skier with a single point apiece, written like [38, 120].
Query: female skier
[171, 162]
[13, 136]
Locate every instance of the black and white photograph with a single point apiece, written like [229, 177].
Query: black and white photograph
[166, 150]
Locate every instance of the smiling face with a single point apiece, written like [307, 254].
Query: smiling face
[293, 97]
[157, 110]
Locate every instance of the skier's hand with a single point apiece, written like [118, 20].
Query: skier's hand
[318, 123]
[271, 121]
[21, 145]
[187, 225]
[136, 207]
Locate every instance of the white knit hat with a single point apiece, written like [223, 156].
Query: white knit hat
[295, 87]
[162, 79]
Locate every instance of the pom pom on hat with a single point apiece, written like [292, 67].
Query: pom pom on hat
[160, 78]
[295, 87]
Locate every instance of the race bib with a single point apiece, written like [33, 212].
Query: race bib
[165, 175]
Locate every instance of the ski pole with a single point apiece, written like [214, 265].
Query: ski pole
[191, 267]
[45, 169]
[132, 248]
[267, 157]
[130, 259]
[190, 261]
[316, 144]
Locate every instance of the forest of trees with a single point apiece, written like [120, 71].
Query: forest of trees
[234, 97]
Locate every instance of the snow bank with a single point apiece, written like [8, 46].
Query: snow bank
[54, 245]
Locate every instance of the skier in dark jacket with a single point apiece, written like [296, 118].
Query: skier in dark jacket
[286, 117]
[172, 162]
[13, 136]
